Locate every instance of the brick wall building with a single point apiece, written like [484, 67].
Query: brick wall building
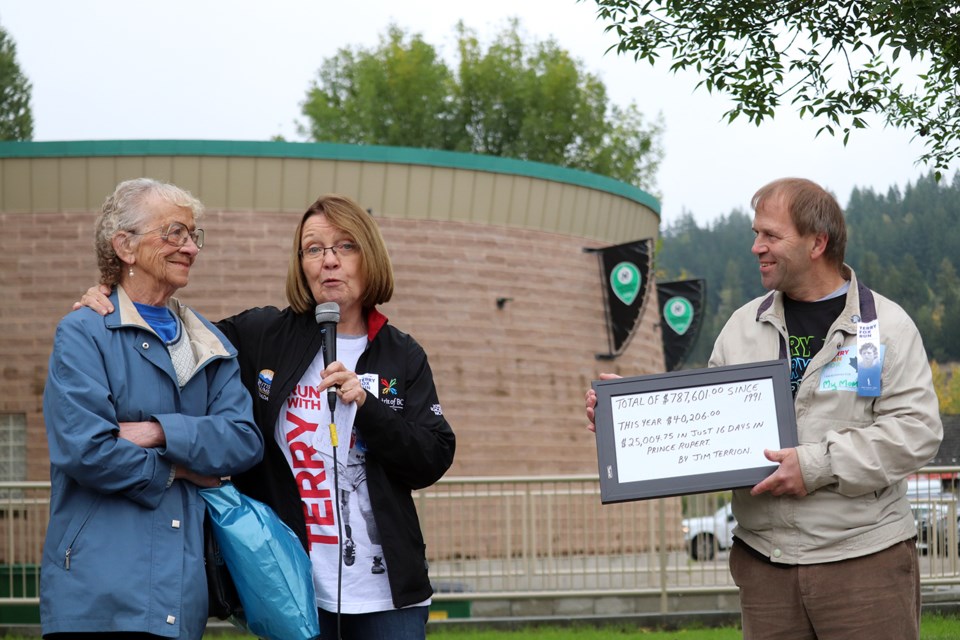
[462, 231]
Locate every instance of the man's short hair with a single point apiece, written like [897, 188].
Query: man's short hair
[812, 209]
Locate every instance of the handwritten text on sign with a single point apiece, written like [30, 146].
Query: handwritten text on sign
[708, 429]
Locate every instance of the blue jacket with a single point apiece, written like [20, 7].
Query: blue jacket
[124, 546]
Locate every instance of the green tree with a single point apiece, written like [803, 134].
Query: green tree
[530, 101]
[16, 118]
[719, 253]
[535, 102]
[948, 311]
[900, 243]
[397, 95]
[914, 293]
[869, 269]
[837, 61]
[946, 382]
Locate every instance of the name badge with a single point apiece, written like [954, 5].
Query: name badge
[869, 360]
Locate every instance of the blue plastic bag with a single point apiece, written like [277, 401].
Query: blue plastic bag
[269, 566]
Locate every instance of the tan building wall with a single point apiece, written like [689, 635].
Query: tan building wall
[462, 231]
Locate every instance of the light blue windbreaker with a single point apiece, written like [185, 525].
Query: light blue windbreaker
[124, 549]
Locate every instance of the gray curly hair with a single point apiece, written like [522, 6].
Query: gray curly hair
[126, 209]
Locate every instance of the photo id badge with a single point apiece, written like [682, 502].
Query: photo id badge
[869, 359]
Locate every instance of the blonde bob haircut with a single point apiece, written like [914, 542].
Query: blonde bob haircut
[347, 216]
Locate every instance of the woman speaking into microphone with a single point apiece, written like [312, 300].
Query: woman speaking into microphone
[369, 563]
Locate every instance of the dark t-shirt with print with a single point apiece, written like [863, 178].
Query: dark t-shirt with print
[807, 326]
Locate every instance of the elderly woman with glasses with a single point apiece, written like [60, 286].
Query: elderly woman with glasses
[345, 490]
[143, 407]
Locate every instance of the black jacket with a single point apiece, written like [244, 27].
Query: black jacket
[410, 445]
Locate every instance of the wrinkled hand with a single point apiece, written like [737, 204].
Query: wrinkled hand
[206, 482]
[350, 389]
[787, 480]
[97, 298]
[145, 434]
[148, 434]
[591, 402]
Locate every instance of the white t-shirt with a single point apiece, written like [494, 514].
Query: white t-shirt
[303, 434]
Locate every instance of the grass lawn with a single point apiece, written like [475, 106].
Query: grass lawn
[624, 632]
[933, 627]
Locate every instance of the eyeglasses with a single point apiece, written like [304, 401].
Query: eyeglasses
[176, 234]
[342, 249]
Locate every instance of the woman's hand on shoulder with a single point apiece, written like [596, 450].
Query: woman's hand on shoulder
[96, 298]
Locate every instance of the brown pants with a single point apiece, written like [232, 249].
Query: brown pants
[875, 596]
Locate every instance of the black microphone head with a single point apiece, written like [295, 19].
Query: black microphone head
[328, 312]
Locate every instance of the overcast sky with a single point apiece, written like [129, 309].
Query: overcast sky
[239, 69]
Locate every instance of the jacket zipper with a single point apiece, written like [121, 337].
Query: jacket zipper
[66, 554]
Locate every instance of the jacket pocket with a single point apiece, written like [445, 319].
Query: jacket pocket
[71, 537]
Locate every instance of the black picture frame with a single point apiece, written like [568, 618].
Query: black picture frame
[719, 418]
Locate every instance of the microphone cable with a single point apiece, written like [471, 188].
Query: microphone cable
[336, 498]
[327, 315]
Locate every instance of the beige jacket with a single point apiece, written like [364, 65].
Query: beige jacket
[854, 452]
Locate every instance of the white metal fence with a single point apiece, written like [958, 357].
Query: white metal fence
[529, 537]
[518, 537]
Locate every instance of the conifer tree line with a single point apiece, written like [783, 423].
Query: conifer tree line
[16, 116]
[902, 244]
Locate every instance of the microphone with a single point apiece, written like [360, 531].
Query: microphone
[328, 315]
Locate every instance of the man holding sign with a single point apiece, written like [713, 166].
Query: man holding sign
[825, 546]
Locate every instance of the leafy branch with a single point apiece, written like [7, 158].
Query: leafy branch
[837, 62]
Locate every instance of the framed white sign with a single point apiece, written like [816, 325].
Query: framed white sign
[692, 431]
